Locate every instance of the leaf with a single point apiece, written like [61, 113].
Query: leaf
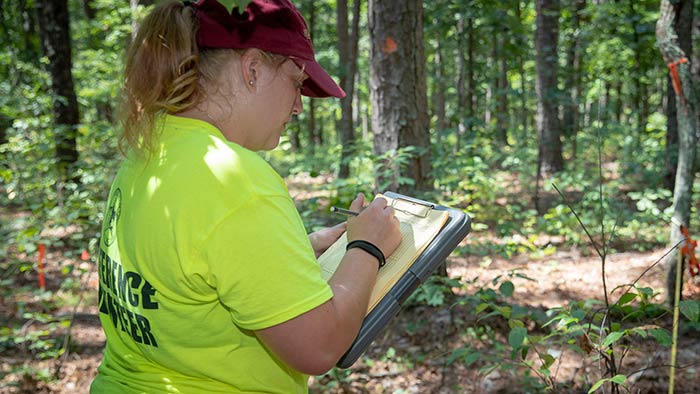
[457, 353]
[597, 385]
[517, 337]
[471, 359]
[626, 298]
[661, 336]
[524, 351]
[506, 288]
[547, 361]
[612, 338]
[690, 309]
[619, 379]
[504, 311]
[482, 307]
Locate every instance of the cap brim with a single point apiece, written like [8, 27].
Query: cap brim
[319, 83]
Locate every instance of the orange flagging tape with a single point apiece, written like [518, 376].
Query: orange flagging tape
[688, 250]
[675, 78]
[42, 254]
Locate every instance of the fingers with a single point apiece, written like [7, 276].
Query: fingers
[340, 226]
[358, 202]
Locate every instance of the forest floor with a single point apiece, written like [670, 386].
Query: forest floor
[411, 355]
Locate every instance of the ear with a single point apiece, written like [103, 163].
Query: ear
[252, 68]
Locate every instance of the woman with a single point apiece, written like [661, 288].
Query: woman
[208, 282]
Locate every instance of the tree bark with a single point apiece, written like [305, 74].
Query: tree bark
[439, 90]
[573, 80]
[638, 91]
[347, 53]
[5, 123]
[89, 9]
[29, 28]
[683, 27]
[54, 29]
[523, 86]
[314, 135]
[548, 129]
[465, 79]
[686, 112]
[502, 112]
[398, 91]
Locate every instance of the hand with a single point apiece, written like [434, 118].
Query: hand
[322, 239]
[375, 224]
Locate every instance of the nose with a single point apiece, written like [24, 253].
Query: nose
[298, 106]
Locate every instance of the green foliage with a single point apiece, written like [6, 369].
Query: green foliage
[434, 291]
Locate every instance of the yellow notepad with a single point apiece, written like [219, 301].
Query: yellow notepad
[419, 225]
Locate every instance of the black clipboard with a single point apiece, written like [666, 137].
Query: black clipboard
[452, 233]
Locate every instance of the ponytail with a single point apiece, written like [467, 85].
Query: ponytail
[161, 73]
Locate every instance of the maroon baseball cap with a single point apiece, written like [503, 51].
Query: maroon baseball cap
[274, 26]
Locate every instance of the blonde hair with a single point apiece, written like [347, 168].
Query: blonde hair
[166, 73]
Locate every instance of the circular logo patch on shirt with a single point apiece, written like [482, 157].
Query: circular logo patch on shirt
[114, 210]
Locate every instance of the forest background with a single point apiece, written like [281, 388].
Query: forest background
[558, 126]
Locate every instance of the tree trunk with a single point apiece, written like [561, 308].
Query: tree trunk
[502, 112]
[439, 90]
[523, 89]
[639, 91]
[619, 103]
[686, 112]
[345, 129]
[5, 123]
[398, 91]
[31, 50]
[347, 54]
[573, 80]
[671, 161]
[548, 130]
[683, 27]
[89, 9]
[313, 134]
[54, 29]
[465, 79]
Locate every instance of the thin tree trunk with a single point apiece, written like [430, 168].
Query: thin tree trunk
[313, 134]
[548, 129]
[686, 112]
[492, 83]
[683, 27]
[639, 88]
[439, 91]
[294, 135]
[89, 9]
[465, 80]
[54, 30]
[619, 102]
[503, 113]
[29, 28]
[523, 86]
[5, 123]
[345, 125]
[671, 162]
[573, 80]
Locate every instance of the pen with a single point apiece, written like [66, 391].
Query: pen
[343, 211]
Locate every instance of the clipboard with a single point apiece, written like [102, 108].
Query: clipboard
[457, 227]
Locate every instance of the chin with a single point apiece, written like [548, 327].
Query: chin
[272, 145]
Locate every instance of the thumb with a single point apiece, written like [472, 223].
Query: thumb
[358, 202]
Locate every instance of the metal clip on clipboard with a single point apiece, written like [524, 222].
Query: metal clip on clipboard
[409, 206]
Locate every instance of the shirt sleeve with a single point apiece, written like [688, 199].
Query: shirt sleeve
[262, 264]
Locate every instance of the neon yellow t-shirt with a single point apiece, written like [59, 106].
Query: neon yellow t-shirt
[201, 245]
